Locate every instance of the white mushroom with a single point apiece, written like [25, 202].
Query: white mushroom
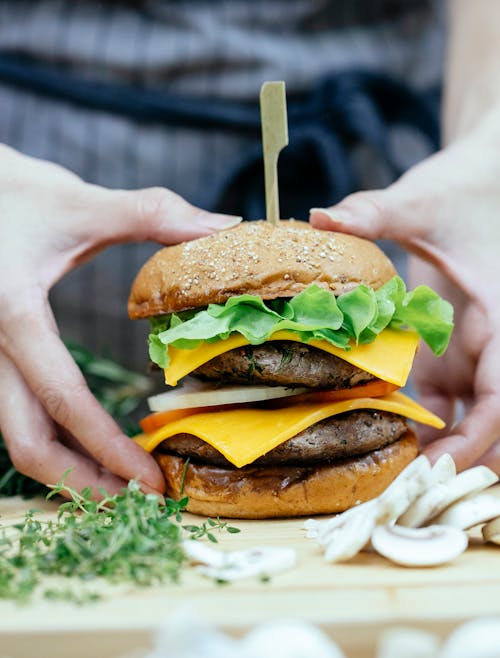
[349, 539]
[293, 638]
[323, 531]
[468, 512]
[403, 642]
[419, 547]
[440, 496]
[400, 494]
[199, 552]
[344, 535]
[479, 638]
[491, 531]
[235, 565]
[467, 484]
[429, 502]
[444, 469]
[425, 507]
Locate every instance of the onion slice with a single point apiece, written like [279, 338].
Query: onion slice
[194, 393]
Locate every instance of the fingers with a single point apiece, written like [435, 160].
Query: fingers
[473, 437]
[378, 214]
[368, 214]
[150, 214]
[492, 458]
[58, 384]
[31, 439]
[443, 406]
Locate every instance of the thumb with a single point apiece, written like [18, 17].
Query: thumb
[149, 214]
[390, 214]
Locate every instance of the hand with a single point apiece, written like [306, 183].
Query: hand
[50, 222]
[447, 211]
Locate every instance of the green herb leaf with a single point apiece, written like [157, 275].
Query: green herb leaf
[130, 537]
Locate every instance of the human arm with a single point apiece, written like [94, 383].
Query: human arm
[50, 222]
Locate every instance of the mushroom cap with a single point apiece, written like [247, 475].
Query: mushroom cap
[419, 547]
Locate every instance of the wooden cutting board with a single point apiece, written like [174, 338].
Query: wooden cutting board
[354, 602]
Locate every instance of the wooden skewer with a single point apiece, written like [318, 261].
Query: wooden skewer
[274, 139]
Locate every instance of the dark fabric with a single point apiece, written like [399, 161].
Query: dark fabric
[341, 111]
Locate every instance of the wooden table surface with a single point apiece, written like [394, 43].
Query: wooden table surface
[352, 601]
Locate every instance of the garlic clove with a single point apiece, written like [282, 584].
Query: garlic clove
[491, 531]
[469, 512]
[419, 547]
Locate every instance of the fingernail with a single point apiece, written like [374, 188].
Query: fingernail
[147, 489]
[217, 222]
[337, 216]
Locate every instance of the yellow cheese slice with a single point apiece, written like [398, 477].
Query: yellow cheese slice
[389, 357]
[243, 435]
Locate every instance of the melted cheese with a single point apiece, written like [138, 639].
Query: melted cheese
[389, 357]
[243, 435]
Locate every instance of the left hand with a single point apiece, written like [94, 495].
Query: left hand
[447, 211]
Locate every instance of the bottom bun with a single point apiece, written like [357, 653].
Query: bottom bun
[280, 491]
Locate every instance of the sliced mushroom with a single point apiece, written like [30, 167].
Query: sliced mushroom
[429, 502]
[479, 638]
[400, 494]
[324, 530]
[468, 512]
[235, 565]
[344, 535]
[425, 507]
[444, 469]
[406, 642]
[440, 496]
[288, 639]
[491, 531]
[419, 547]
[349, 539]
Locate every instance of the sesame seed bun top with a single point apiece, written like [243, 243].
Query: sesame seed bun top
[256, 258]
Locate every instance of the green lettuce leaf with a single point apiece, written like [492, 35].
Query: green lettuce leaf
[357, 316]
[428, 314]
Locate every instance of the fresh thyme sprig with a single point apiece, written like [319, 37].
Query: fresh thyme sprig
[127, 538]
[207, 527]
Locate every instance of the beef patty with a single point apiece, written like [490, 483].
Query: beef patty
[282, 363]
[345, 435]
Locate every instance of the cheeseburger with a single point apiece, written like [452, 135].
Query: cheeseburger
[284, 347]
